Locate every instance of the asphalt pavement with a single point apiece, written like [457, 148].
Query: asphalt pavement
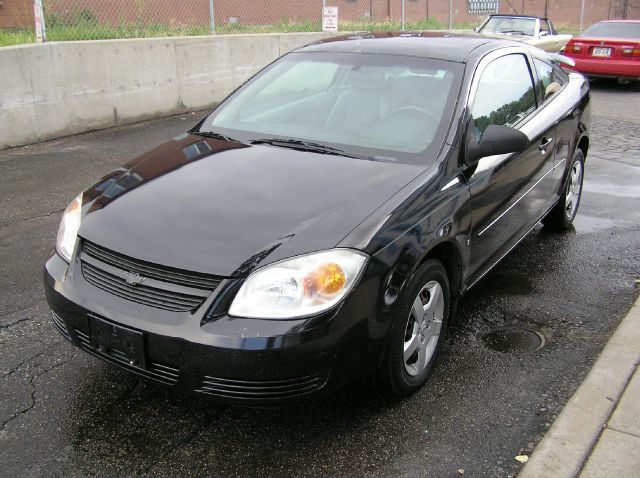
[64, 413]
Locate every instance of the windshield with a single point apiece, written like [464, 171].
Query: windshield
[384, 107]
[614, 30]
[510, 25]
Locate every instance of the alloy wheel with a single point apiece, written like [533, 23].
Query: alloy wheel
[574, 190]
[423, 328]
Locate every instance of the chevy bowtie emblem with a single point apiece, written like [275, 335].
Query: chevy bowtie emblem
[133, 278]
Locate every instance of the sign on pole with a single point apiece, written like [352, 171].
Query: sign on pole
[38, 17]
[330, 19]
[483, 7]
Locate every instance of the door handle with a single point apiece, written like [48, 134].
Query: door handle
[544, 143]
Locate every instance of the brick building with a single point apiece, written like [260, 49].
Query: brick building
[15, 13]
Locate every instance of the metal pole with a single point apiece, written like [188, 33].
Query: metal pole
[450, 14]
[212, 18]
[402, 15]
[40, 29]
[581, 14]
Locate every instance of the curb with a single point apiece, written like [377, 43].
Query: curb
[567, 445]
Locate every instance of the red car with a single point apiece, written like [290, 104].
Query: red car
[609, 49]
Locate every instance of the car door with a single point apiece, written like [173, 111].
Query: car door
[509, 192]
[559, 110]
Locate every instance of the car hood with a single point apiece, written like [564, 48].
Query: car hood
[224, 208]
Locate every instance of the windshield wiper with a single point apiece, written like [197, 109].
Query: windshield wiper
[300, 145]
[213, 134]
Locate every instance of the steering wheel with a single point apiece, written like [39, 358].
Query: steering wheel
[417, 109]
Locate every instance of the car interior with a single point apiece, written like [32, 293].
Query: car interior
[396, 108]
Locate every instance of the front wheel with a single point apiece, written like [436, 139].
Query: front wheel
[562, 215]
[417, 330]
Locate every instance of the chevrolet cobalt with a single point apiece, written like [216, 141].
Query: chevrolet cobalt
[321, 223]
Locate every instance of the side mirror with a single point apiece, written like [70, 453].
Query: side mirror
[496, 139]
[544, 33]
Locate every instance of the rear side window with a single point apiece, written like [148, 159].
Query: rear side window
[550, 79]
[505, 94]
[544, 27]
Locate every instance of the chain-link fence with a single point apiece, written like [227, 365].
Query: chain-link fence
[105, 19]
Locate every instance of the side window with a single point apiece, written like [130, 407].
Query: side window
[505, 93]
[550, 80]
[544, 27]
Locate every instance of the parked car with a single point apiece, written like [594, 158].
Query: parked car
[321, 223]
[609, 49]
[536, 31]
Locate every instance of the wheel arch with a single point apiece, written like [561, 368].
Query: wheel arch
[583, 144]
[448, 253]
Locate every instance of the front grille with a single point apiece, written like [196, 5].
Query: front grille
[155, 370]
[262, 389]
[59, 323]
[154, 285]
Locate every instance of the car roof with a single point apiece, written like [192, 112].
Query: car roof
[436, 45]
[619, 21]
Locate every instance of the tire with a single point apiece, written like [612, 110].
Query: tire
[561, 217]
[402, 372]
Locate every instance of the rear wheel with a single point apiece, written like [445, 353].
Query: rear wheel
[562, 215]
[417, 331]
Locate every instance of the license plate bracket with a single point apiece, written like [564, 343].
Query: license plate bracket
[117, 341]
[601, 52]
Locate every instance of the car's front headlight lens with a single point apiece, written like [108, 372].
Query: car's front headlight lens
[68, 231]
[299, 287]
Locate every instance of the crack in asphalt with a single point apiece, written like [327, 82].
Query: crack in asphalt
[180, 443]
[24, 319]
[19, 321]
[17, 367]
[34, 218]
[33, 392]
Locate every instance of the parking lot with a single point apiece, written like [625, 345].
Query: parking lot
[64, 413]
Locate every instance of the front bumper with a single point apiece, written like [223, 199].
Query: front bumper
[246, 361]
[607, 68]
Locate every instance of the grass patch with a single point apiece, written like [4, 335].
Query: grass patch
[14, 36]
[568, 29]
[88, 28]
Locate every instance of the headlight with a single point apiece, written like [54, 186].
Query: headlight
[68, 231]
[298, 287]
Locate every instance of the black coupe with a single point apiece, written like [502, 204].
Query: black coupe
[321, 223]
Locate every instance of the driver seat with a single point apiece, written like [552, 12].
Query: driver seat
[362, 101]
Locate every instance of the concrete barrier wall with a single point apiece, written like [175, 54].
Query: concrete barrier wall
[62, 88]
